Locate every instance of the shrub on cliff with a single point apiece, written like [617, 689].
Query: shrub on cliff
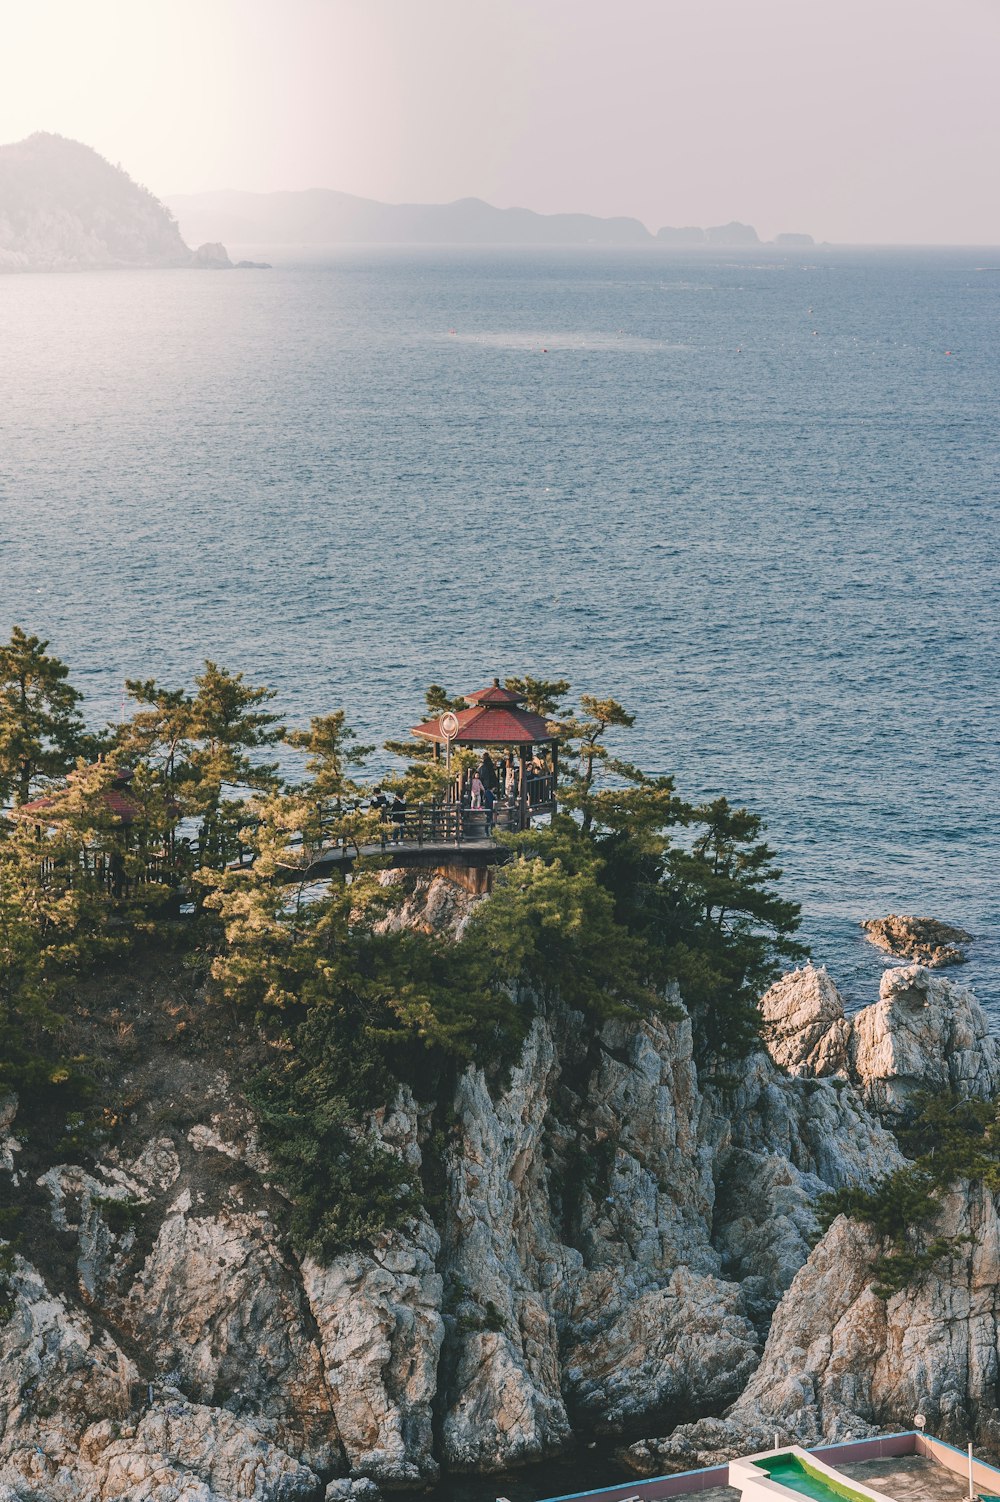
[949, 1139]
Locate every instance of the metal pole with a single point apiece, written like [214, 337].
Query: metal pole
[971, 1490]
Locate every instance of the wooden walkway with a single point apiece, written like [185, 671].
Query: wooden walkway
[421, 837]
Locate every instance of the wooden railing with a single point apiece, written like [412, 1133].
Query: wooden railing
[419, 825]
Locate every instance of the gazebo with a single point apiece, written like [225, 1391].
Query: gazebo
[496, 719]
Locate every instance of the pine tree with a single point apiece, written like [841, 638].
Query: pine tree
[41, 731]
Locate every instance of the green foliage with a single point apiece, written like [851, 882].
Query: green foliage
[728, 932]
[121, 1216]
[551, 924]
[949, 1138]
[438, 700]
[196, 749]
[543, 696]
[345, 1187]
[41, 731]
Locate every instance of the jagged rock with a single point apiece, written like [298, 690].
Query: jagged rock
[503, 1403]
[212, 256]
[431, 904]
[221, 1305]
[380, 1326]
[56, 1372]
[180, 1450]
[361, 1489]
[840, 1360]
[925, 940]
[69, 1429]
[924, 1033]
[778, 1143]
[807, 1032]
[687, 1345]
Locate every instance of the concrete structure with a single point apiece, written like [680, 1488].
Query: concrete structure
[905, 1467]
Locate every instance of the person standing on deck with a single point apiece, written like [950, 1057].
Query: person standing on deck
[489, 798]
[488, 773]
[397, 814]
[477, 790]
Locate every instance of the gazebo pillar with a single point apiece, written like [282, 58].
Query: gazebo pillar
[522, 788]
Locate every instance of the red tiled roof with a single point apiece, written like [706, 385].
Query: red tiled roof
[495, 695]
[490, 724]
[116, 800]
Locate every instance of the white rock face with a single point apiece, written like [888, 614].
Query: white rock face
[222, 1307]
[380, 1326]
[842, 1361]
[184, 1450]
[429, 904]
[924, 1032]
[58, 1375]
[807, 1032]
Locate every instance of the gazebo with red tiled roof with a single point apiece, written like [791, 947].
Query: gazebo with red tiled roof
[114, 797]
[497, 717]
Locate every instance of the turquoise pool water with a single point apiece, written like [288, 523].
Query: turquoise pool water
[790, 1471]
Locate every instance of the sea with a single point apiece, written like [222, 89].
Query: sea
[751, 494]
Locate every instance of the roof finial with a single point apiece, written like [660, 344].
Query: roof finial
[496, 683]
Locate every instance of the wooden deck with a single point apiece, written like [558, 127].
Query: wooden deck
[422, 838]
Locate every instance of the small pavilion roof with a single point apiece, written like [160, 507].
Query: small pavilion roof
[115, 798]
[494, 695]
[496, 717]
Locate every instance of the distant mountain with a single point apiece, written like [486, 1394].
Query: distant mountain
[321, 216]
[732, 233]
[64, 208]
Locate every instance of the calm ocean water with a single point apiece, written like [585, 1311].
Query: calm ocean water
[752, 495]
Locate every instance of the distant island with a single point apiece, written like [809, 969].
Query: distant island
[63, 207]
[322, 216]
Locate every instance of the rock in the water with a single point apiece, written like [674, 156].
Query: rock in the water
[924, 1033]
[925, 940]
[212, 256]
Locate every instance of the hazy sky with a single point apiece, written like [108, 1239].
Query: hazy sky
[857, 120]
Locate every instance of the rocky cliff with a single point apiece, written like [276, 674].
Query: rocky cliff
[64, 208]
[615, 1245]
